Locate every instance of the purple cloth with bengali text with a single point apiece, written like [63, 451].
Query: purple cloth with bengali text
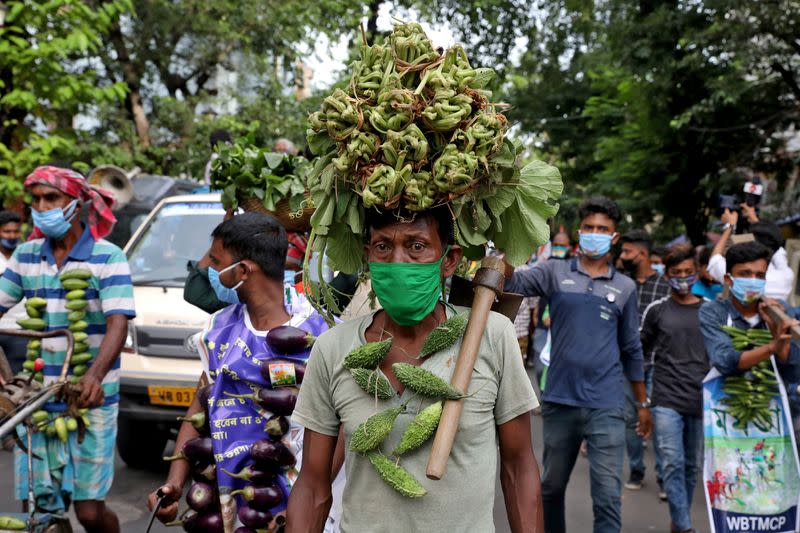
[235, 355]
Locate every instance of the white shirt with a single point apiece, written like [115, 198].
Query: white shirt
[9, 320]
[780, 277]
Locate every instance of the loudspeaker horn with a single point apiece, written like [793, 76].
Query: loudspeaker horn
[116, 180]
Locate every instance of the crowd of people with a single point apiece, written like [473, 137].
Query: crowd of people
[620, 337]
[653, 319]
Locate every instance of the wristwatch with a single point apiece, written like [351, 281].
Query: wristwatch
[645, 405]
[727, 225]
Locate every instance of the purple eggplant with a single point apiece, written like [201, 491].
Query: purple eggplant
[253, 474]
[277, 426]
[204, 473]
[253, 518]
[288, 340]
[261, 498]
[299, 370]
[201, 523]
[278, 401]
[199, 421]
[198, 450]
[210, 523]
[202, 497]
[271, 452]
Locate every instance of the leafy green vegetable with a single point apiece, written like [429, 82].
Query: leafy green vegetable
[244, 171]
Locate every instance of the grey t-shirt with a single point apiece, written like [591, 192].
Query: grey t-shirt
[672, 331]
[463, 499]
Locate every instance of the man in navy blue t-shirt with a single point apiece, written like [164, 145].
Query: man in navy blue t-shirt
[595, 347]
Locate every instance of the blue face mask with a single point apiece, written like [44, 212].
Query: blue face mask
[56, 222]
[225, 294]
[658, 268]
[748, 290]
[9, 244]
[595, 245]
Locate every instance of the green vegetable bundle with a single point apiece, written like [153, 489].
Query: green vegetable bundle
[748, 396]
[416, 129]
[246, 173]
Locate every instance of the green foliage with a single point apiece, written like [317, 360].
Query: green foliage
[46, 78]
[657, 104]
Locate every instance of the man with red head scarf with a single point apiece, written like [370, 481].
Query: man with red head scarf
[71, 471]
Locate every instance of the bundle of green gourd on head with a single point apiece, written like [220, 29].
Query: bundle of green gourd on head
[246, 173]
[748, 396]
[363, 363]
[75, 282]
[36, 309]
[413, 130]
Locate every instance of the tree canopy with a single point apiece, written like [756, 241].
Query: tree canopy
[658, 104]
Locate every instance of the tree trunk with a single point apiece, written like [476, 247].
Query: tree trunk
[372, 21]
[133, 100]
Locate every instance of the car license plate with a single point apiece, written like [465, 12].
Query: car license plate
[180, 396]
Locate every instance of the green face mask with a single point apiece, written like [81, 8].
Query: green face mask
[408, 292]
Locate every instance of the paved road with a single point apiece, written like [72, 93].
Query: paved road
[641, 511]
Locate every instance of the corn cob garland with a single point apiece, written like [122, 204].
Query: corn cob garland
[748, 396]
[75, 282]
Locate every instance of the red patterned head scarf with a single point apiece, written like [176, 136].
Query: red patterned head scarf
[297, 249]
[71, 183]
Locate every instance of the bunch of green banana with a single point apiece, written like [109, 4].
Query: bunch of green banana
[395, 110]
[360, 148]
[369, 73]
[339, 116]
[384, 186]
[420, 192]
[447, 110]
[408, 145]
[58, 424]
[749, 396]
[454, 171]
[746, 338]
[76, 281]
[411, 47]
[36, 308]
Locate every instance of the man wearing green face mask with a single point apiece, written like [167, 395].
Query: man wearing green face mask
[408, 259]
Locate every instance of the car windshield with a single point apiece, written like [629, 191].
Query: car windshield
[178, 233]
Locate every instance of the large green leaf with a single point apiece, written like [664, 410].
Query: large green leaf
[346, 250]
[274, 159]
[318, 143]
[542, 181]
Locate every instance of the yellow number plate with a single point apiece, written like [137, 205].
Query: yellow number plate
[180, 396]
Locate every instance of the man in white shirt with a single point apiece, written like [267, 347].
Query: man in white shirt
[780, 277]
[14, 347]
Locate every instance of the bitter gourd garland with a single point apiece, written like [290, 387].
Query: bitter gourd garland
[363, 363]
[415, 129]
